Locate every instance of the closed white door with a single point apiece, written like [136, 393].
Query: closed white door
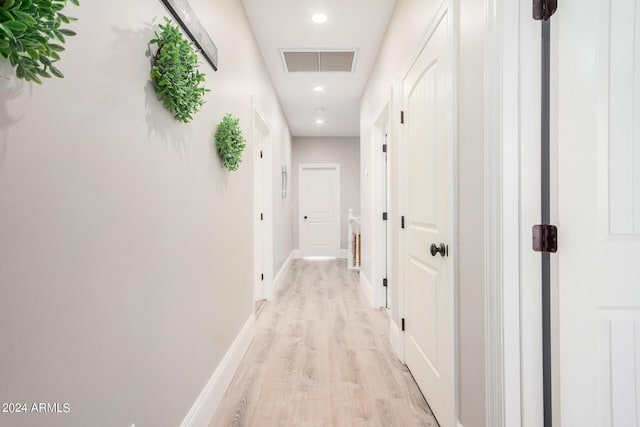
[428, 279]
[319, 207]
[598, 259]
[258, 191]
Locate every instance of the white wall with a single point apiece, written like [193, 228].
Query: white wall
[344, 151]
[400, 45]
[120, 233]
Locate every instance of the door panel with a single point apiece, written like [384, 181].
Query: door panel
[429, 296]
[258, 174]
[319, 203]
[598, 142]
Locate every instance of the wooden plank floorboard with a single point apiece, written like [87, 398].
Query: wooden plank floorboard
[322, 357]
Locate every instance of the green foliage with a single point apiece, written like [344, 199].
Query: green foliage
[230, 142]
[175, 75]
[31, 37]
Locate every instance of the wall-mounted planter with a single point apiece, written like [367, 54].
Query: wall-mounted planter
[31, 37]
[175, 75]
[230, 142]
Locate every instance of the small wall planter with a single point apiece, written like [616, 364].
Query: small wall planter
[230, 142]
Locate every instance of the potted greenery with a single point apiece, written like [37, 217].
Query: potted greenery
[230, 142]
[31, 37]
[175, 76]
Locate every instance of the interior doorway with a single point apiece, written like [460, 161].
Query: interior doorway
[428, 256]
[263, 256]
[383, 215]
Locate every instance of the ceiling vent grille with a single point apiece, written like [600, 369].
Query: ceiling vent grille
[319, 61]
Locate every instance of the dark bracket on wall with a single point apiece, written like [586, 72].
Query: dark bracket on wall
[189, 22]
[544, 9]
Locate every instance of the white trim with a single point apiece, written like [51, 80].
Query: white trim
[366, 287]
[205, 406]
[458, 423]
[282, 272]
[396, 336]
[493, 280]
[452, 9]
[296, 254]
[260, 124]
[343, 254]
[380, 171]
[301, 196]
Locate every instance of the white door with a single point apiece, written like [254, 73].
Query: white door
[598, 259]
[319, 208]
[258, 214]
[428, 279]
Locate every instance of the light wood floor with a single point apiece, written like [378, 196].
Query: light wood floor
[321, 357]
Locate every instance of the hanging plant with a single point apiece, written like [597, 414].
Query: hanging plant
[31, 37]
[230, 142]
[175, 76]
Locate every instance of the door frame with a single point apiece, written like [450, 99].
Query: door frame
[381, 175]
[448, 9]
[513, 332]
[261, 127]
[301, 197]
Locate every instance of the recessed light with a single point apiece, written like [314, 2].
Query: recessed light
[319, 18]
[318, 89]
[320, 121]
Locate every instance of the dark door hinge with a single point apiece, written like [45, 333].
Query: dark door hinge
[545, 238]
[260, 153]
[402, 221]
[543, 9]
[261, 217]
[402, 322]
[384, 282]
[402, 117]
[262, 277]
[384, 148]
[384, 216]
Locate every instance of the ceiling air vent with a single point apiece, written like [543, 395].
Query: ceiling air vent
[318, 61]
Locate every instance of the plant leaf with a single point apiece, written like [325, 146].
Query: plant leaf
[16, 27]
[24, 17]
[56, 72]
[56, 47]
[67, 32]
[7, 32]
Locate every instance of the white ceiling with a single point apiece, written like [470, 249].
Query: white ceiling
[352, 24]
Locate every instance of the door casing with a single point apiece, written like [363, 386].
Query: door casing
[262, 177]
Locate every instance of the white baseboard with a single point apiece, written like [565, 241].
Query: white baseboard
[395, 336]
[458, 424]
[296, 253]
[206, 404]
[344, 254]
[366, 287]
[277, 281]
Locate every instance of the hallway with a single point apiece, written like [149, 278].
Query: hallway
[321, 357]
